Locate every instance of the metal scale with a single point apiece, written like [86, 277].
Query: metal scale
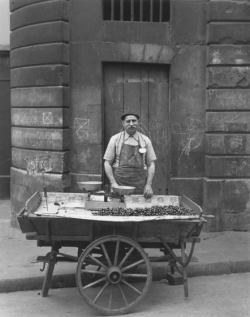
[39, 164]
[92, 187]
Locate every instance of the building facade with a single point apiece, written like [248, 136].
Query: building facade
[5, 131]
[183, 65]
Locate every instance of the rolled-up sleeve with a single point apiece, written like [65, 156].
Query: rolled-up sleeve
[150, 155]
[110, 151]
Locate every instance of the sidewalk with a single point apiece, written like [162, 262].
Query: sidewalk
[217, 253]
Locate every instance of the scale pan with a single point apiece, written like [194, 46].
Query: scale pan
[90, 186]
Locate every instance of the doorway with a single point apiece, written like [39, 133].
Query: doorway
[143, 89]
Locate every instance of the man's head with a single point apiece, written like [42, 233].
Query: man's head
[130, 123]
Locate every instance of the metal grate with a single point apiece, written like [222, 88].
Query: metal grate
[136, 10]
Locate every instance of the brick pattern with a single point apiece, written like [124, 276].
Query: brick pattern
[227, 189]
[39, 62]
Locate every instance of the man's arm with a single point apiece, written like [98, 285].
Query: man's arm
[148, 191]
[109, 172]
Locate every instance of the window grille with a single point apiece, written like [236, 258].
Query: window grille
[136, 10]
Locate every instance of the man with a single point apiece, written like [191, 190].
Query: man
[129, 158]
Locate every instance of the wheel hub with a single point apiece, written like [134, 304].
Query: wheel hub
[114, 275]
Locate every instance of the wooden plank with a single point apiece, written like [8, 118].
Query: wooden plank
[144, 107]
[132, 84]
[33, 202]
[113, 101]
[158, 124]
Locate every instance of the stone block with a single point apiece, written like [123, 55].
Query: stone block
[121, 51]
[228, 122]
[50, 32]
[228, 55]
[188, 21]
[42, 12]
[41, 139]
[232, 143]
[153, 33]
[136, 32]
[16, 4]
[86, 67]
[49, 75]
[228, 11]
[4, 65]
[228, 77]
[228, 33]
[228, 99]
[189, 163]
[83, 96]
[228, 166]
[33, 97]
[228, 201]
[187, 117]
[87, 24]
[190, 187]
[40, 117]
[23, 186]
[86, 125]
[87, 159]
[54, 53]
[188, 74]
[59, 160]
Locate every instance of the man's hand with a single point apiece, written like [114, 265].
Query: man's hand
[148, 191]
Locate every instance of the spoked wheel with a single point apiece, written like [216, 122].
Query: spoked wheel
[114, 290]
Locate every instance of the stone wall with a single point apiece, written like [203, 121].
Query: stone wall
[227, 186]
[5, 153]
[39, 63]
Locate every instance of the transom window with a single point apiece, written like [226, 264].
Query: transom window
[136, 10]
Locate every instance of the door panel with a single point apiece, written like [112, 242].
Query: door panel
[140, 88]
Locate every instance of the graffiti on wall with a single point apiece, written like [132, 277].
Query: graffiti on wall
[191, 136]
[38, 164]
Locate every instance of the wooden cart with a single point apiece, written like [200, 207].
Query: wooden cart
[113, 272]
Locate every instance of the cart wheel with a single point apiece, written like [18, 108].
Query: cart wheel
[115, 290]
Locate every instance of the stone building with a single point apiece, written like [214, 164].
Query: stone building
[5, 131]
[183, 65]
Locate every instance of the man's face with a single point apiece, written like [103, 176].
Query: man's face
[130, 124]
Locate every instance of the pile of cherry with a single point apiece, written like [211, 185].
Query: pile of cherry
[147, 211]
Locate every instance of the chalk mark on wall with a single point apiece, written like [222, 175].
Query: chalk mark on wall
[17, 137]
[47, 118]
[81, 128]
[191, 137]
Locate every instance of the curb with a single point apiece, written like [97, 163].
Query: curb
[159, 271]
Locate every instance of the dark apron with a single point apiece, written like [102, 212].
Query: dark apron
[131, 171]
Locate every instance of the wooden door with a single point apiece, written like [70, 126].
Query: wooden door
[144, 89]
